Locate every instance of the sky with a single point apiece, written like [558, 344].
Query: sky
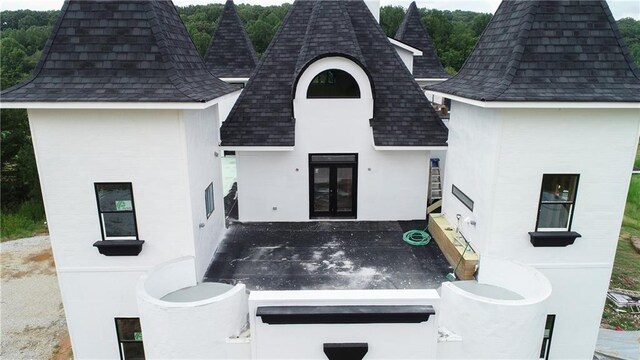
[619, 8]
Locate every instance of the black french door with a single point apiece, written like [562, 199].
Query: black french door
[333, 180]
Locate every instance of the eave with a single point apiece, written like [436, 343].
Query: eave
[257, 148]
[107, 105]
[407, 47]
[540, 104]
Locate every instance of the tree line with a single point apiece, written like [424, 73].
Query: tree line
[23, 34]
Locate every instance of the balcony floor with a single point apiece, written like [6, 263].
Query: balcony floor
[326, 255]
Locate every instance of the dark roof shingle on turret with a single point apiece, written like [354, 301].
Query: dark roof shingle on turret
[263, 115]
[230, 53]
[548, 51]
[413, 32]
[119, 51]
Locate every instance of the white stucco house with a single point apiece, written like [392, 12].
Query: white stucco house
[333, 137]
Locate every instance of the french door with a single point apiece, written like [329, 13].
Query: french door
[333, 180]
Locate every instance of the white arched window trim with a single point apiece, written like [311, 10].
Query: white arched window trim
[329, 63]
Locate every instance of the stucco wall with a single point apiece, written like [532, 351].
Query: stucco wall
[391, 184]
[305, 341]
[600, 146]
[498, 157]
[474, 141]
[201, 329]
[75, 149]
[204, 167]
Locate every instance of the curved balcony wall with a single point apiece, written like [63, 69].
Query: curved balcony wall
[501, 316]
[183, 319]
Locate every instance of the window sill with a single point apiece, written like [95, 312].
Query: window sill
[119, 247]
[553, 238]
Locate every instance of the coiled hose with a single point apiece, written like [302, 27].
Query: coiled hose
[416, 237]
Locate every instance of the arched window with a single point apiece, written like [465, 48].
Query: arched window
[332, 84]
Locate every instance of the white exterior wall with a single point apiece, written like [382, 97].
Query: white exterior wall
[491, 327]
[474, 136]
[203, 329]
[76, 148]
[406, 56]
[391, 184]
[204, 167]
[304, 341]
[498, 156]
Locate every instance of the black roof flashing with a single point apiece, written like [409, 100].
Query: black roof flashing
[119, 51]
[230, 53]
[263, 115]
[560, 51]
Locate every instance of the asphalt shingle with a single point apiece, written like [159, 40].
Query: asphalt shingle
[263, 116]
[548, 51]
[413, 32]
[230, 53]
[119, 51]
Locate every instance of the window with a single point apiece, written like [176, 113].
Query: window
[557, 200]
[208, 200]
[117, 211]
[462, 197]
[333, 84]
[546, 340]
[130, 338]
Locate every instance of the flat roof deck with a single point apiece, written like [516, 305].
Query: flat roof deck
[327, 255]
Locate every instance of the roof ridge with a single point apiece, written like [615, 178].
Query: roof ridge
[254, 54]
[405, 21]
[231, 7]
[161, 39]
[304, 57]
[518, 50]
[45, 50]
[616, 31]
[285, 21]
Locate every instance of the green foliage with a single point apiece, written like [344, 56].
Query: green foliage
[390, 19]
[27, 221]
[261, 23]
[630, 31]
[626, 268]
[14, 64]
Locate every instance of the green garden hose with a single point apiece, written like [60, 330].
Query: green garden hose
[416, 237]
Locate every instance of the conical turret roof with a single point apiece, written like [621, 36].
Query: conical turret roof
[413, 32]
[563, 50]
[230, 53]
[119, 51]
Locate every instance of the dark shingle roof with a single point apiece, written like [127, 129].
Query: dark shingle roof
[262, 116]
[413, 32]
[119, 51]
[230, 53]
[548, 51]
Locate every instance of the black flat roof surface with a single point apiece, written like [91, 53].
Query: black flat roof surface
[327, 255]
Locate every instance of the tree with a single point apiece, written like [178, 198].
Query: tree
[390, 19]
[13, 62]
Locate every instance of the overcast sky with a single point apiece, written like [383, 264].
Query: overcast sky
[620, 8]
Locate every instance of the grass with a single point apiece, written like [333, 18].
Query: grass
[28, 220]
[637, 163]
[626, 268]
